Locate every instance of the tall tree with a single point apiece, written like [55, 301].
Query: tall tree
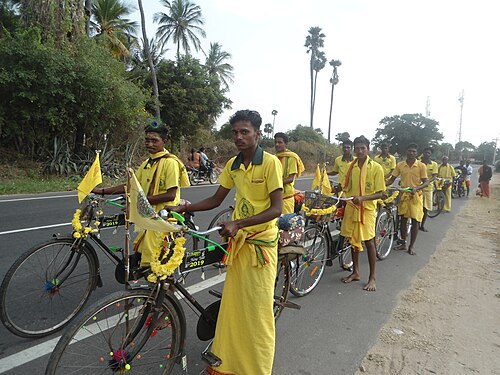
[112, 27]
[401, 130]
[217, 65]
[333, 81]
[314, 41]
[182, 23]
[152, 67]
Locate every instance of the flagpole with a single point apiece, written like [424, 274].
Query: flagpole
[126, 250]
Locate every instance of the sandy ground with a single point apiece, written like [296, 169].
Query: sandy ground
[448, 321]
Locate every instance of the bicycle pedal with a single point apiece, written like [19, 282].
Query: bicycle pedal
[329, 263]
[291, 305]
[211, 359]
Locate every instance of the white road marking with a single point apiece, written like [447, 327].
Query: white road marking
[36, 198]
[34, 228]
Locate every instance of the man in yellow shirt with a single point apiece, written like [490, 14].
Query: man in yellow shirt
[413, 174]
[364, 182]
[386, 160]
[292, 167]
[341, 164]
[427, 192]
[245, 332]
[161, 177]
[447, 171]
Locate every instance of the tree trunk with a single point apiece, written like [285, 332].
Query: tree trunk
[88, 15]
[330, 117]
[152, 68]
[311, 105]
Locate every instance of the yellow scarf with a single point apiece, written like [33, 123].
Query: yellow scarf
[359, 216]
[156, 161]
[290, 154]
[258, 242]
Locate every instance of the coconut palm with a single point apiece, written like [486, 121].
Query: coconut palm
[274, 113]
[216, 64]
[111, 26]
[314, 41]
[334, 80]
[181, 24]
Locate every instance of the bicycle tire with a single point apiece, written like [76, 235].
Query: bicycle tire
[224, 215]
[281, 285]
[47, 286]
[344, 249]
[384, 234]
[308, 269]
[101, 342]
[437, 204]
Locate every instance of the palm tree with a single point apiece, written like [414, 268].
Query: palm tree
[334, 80]
[216, 65]
[182, 23]
[319, 64]
[314, 41]
[274, 113]
[152, 68]
[112, 28]
[268, 129]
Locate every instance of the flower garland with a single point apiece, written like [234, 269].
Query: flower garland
[161, 271]
[392, 197]
[78, 230]
[318, 211]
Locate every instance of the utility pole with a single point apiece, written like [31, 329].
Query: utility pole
[428, 108]
[461, 100]
[495, 152]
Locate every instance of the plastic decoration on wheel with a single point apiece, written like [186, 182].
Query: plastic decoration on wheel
[319, 207]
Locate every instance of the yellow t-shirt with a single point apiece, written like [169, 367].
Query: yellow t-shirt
[446, 171]
[388, 163]
[374, 182]
[432, 169]
[253, 185]
[168, 176]
[410, 176]
[341, 166]
[290, 166]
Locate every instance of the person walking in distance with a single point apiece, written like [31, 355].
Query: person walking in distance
[427, 192]
[485, 175]
[447, 171]
[364, 182]
[342, 162]
[292, 167]
[413, 174]
[245, 333]
[468, 176]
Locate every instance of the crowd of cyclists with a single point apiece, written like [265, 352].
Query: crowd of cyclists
[265, 190]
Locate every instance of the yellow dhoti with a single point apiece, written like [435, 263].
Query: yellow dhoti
[357, 226]
[427, 196]
[288, 205]
[411, 206]
[245, 333]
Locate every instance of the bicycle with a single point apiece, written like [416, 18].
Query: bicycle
[438, 197]
[120, 333]
[322, 243]
[458, 185]
[52, 281]
[388, 222]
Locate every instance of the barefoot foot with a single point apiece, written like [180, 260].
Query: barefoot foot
[370, 286]
[411, 251]
[349, 279]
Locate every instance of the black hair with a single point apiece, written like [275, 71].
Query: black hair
[427, 149]
[384, 144]
[247, 115]
[412, 145]
[282, 136]
[362, 139]
[347, 142]
[154, 126]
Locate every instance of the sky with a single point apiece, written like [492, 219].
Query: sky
[397, 56]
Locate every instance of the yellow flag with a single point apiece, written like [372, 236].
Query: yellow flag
[317, 179]
[91, 179]
[321, 183]
[142, 214]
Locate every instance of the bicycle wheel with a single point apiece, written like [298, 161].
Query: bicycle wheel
[384, 234]
[47, 286]
[344, 249]
[281, 285]
[112, 337]
[307, 269]
[437, 203]
[222, 216]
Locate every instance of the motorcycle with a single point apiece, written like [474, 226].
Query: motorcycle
[458, 187]
[197, 176]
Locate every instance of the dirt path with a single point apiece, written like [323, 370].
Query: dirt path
[448, 322]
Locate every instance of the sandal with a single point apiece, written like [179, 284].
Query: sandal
[400, 246]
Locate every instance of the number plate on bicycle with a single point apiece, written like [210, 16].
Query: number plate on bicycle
[202, 257]
[109, 221]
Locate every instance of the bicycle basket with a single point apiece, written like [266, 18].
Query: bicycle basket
[319, 207]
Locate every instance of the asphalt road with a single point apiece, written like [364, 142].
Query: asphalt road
[332, 332]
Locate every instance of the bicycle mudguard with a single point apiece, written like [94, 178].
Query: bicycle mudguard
[205, 329]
